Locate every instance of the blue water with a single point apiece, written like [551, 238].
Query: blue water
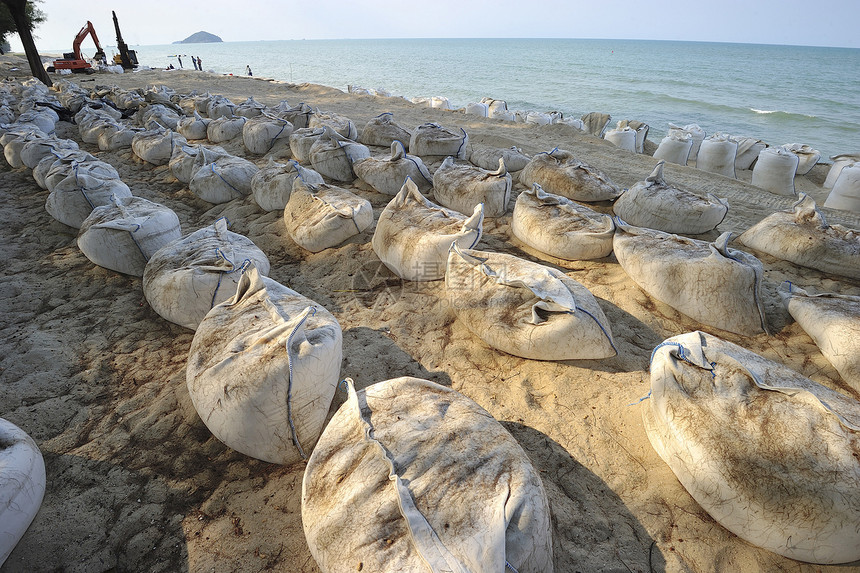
[780, 94]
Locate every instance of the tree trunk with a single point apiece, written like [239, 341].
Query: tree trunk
[18, 10]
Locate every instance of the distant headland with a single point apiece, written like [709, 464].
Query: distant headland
[200, 38]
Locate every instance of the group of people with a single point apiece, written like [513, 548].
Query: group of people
[196, 61]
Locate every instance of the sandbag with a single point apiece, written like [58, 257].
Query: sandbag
[156, 146]
[263, 368]
[332, 155]
[561, 228]
[225, 128]
[771, 455]
[622, 137]
[748, 150]
[479, 109]
[413, 235]
[186, 278]
[495, 106]
[35, 149]
[381, 493]
[717, 155]
[488, 158]
[656, 204]
[250, 108]
[123, 236]
[340, 124]
[641, 130]
[116, 137]
[13, 146]
[301, 141]
[166, 116]
[387, 175]
[560, 173]
[194, 127]
[219, 106]
[806, 156]
[70, 166]
[833, 322]
[433, 140]
[839, 162]
[318, 217]
[675, 147]
[297, 115]
[708, 282]
[271, 186]
[63, 157]
[802, 236]
[524, 308]
[73, 199]
[596, 123]
[382, 131]
[464, 187]
[265, 133]
[846, 191]
[22, 485]
[221, 178]
[774, 171]
[696, 133]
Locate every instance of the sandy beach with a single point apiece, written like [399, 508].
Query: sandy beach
[136, 482]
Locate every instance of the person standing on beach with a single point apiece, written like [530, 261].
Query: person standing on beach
[178, 57]
[248, 69]
[199, 63]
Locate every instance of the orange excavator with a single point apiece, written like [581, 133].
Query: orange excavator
[74, 60]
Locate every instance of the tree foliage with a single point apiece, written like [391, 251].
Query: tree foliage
[7, 23]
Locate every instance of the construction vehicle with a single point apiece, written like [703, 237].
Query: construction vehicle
[125, 58]
[74, 60]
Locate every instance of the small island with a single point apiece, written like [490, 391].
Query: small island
[200, 38]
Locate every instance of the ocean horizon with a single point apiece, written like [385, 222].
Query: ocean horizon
[779, 94]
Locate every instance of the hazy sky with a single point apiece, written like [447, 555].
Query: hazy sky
[152, 22]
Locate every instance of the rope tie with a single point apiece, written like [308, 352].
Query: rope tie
[295, 436]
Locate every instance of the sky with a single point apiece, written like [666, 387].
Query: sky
[155, 22]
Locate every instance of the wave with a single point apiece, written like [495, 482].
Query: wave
[781, 112]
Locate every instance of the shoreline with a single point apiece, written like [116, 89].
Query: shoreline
[137, 482]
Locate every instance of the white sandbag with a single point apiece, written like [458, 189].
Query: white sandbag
[596, 123]
[413, 235]
[806, 156]
[225, 128]
[440, 102]
[675, 147]
[845, 194]
[116, 137]
[622, 137]
[382, 131]
[45, 120]
[91, 131]
[265, 133]
[332, 155]
[222, 178]
[218, 106]
[748, 151]
[66, 157]
[771, 455]
[696, 133]
[495, 107]
[774, 171]
[68, 166]
[561, 228]
[250, 108]
[13, 146]
[73, 199]
[318, 217]
[381, 493]
[463, 187]
[156, 146]
[388, 174]
[22, 485]
[298, 115]
[340, 124]
[162, 114]
[656, 204]
[708, 282]
[488, 158]
[194, 127]
[433, 140]
[538, 118]
[301, 141]
[802, 236]
[272, 185]
[525, 308]
[717, 155]
[182, 162]
[839, 162]
[186, 278]
[833, 321]
[279, 353]
[123, 236]
[560, 173]
[35, 149]
[479, 109]
[641, 129]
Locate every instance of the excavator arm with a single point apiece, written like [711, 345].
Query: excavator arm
[82, 35]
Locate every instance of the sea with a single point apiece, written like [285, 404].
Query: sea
[779, 94]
